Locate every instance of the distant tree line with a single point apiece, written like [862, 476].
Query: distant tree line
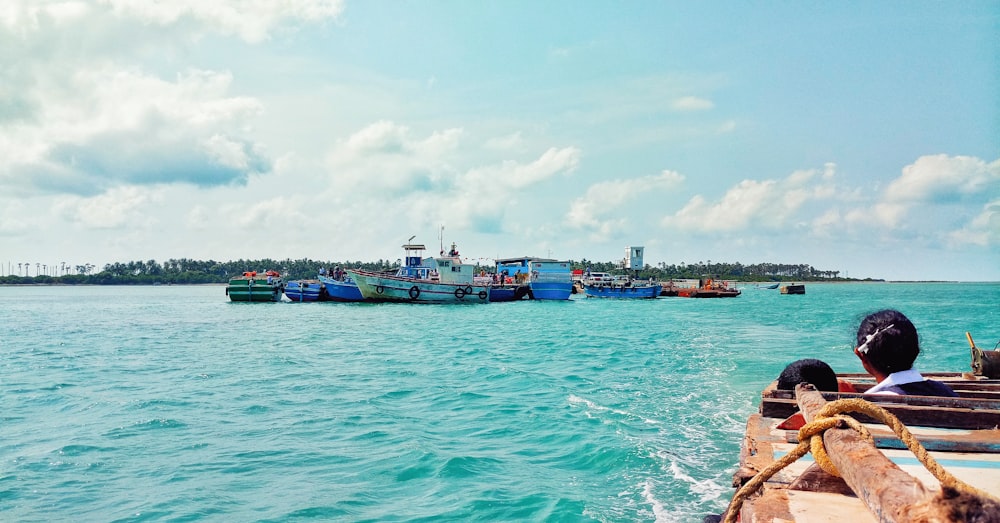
[186, 271]
[757, 272]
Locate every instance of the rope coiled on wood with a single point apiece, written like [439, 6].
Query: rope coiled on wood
[832, 416]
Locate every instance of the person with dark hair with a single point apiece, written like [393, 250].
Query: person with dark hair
[812, 371]
[808, 370]
[887, 345]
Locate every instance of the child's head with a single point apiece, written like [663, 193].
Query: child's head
[888, 341]
[808, 370]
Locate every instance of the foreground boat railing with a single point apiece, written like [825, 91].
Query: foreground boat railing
[843, 447]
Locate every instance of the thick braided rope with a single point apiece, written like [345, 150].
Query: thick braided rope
[811, 440]
[754, 484]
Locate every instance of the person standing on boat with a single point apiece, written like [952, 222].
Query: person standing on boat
[887, 347]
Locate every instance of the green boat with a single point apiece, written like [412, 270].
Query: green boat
[254, 287]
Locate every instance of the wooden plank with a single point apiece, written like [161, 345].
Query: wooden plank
[756, 452]
[920, 415]
[976, 441]
[990, 402]
[964, 391]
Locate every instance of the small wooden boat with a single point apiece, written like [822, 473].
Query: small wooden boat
[881, 479]
[622, 289]
[708, 288]
[772, 286]
[509, 292]
[251, 287]
[669, 288]
[304, 290]
[547, 279]
[794, 288]
[343, 290]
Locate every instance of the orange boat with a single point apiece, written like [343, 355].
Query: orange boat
[707, 288]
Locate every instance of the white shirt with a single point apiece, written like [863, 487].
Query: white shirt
[896, 378]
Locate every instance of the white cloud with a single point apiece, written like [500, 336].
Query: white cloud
[506, 143]
[599, 211]
[934, 201]
[433, 179]
[383, 158]
[270, 214]
[726, 127]
[111, 210]
[691, 103]
[251, 20]
[753, 204]
[552, 161]
[109, 126]
[983, 229]
[79, 117]
[938, 180]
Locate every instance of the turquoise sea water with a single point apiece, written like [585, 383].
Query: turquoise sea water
[170, 403]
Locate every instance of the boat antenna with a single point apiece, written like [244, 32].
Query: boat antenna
[411, 239]
[441, 240]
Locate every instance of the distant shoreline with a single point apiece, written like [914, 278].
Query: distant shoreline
[741, 283]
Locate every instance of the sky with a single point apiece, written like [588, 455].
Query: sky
[859, 137]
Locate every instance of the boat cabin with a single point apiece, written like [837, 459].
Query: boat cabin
[598, 277]
[444, 269]
[525, 268]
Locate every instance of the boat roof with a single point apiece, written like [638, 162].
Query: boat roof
[414, 247]
[526, 258]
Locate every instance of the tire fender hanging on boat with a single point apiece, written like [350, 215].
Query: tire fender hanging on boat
[460, 293]
[379, 289]
[414, 292]
[483, 295]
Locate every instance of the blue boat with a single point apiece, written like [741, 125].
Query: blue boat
[343, 289]
[548, 279]
[505, 292]
[303, 290]
[626, 289]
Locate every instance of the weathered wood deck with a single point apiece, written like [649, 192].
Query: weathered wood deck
[962, 434]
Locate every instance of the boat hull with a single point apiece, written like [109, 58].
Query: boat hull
[617, 291]
[501, 293]
[340, 290]
[714, 293]
[543, 290]
[254, 289]
[303, 290]
[548, 279]
[382, 287]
